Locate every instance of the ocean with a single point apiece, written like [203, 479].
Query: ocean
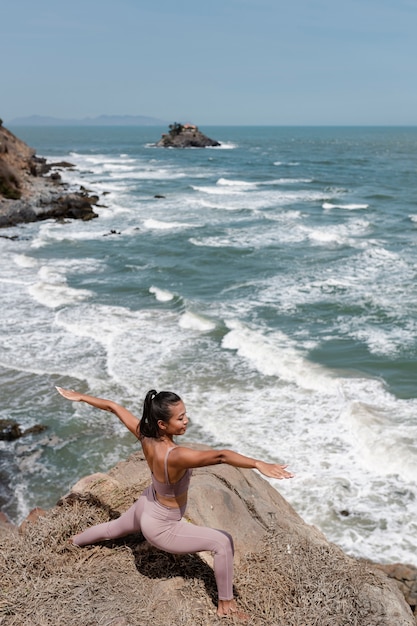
[270, 282]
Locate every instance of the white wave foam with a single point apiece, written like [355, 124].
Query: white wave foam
[347, 207]
[152, 224]
[325, 237]
[211, 242]
[232, 190]
[148, 174]
[51, 232]
[289, 229]
[382, 446]
[387, 342]
[112, 169]
[235, 238]
[122, 166]
[139, 348]
[193, 321]
[242, 184]
[341, 234]
[24, 261]
[224, 145]
[291, 163]
[233, 198]
[274, 355]
[161, 295]
[288, 181]
[284, 216]
[53, 291]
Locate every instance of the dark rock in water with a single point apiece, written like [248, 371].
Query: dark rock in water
[73, 206]
[34, 430]
[185, 136]
[62, 164]
[10, 430]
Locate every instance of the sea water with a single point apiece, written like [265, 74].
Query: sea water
[271, 282]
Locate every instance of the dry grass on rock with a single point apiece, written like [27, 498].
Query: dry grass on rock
[47, 582]
[297, 583]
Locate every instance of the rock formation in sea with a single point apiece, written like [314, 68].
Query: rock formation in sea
[31, 189]
[185, 136]
[286, 572]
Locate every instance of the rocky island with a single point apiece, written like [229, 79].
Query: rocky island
[31, 189]
[185, 136]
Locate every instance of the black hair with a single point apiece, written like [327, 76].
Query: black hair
[156, 406]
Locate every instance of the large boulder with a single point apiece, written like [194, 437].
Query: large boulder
[286, 572]
[254, 513]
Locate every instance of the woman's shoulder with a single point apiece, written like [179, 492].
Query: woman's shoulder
[155, 450]
[148, 446]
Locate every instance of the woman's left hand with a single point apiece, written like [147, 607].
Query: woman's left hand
[273, 470]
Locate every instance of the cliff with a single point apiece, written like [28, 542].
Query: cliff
[286, 572]
[185, 136]
[31, 189]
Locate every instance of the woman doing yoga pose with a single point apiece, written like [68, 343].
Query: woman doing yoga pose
[158, 512]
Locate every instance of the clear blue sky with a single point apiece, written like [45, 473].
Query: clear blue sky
[299, 62]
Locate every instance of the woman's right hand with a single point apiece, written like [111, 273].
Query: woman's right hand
[69, 394]
[129, 420]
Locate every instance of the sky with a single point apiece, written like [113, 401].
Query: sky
[212, 62]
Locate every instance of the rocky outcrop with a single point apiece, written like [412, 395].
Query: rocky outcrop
[10, 429]
[405, 576]
[31, 189]
[185, 136]
[286, 572]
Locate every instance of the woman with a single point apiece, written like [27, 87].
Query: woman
[158, 512]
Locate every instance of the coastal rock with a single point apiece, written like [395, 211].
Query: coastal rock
[27, 194]
[16, 161]
[405, 577]
[185, 136]
[9, 430]
[32, 518]
[286, 572]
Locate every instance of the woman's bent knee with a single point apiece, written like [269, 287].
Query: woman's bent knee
[227, 540]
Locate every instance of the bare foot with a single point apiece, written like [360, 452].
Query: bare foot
[72, 542]
[228, 608]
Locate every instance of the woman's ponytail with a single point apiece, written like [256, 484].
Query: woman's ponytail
[156, 407]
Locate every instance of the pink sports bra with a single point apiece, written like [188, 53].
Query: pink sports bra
[171, 490]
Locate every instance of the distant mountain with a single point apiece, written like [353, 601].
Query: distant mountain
[101, 120]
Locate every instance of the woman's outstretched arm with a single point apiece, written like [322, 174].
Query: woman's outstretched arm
[126, 417]
[183, 457]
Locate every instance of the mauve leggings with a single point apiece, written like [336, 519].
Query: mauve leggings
[165, 529]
